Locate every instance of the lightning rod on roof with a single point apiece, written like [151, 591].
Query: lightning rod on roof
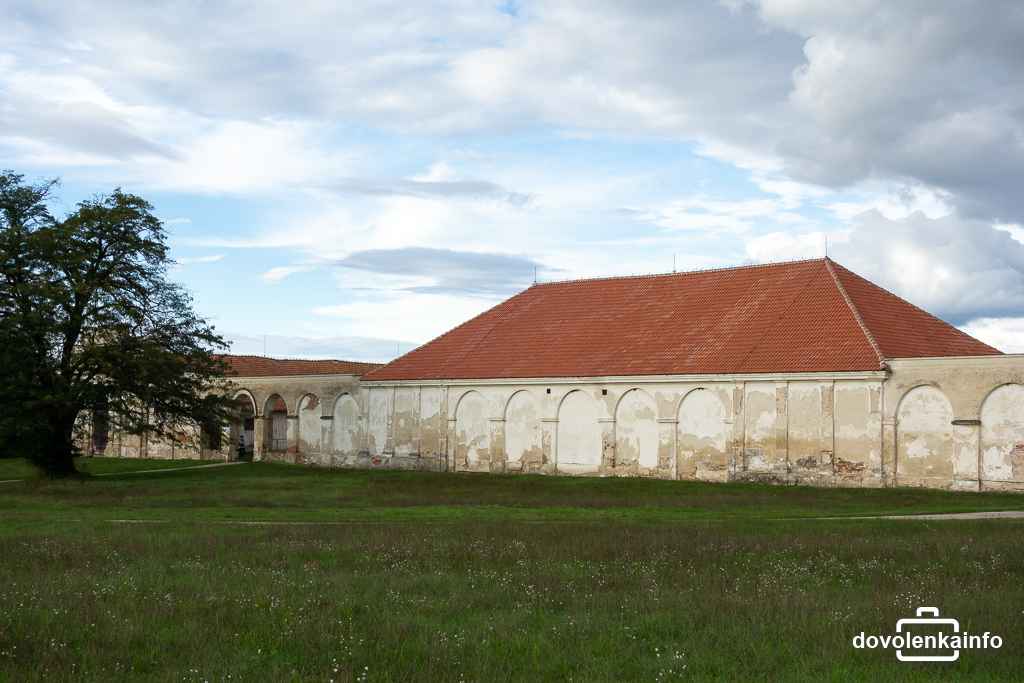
[535, 275]
[673, 262]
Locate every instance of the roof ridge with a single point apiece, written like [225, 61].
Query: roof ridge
[915, 307]
[696, 271]
[792, 301]
[856, 313]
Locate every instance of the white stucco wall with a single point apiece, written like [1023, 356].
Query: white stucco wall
[379, 419]
[925, 437]
[949, 422]
[636, 430]
[578, 442]
[346, 430]
[309, 413]
[523, 442]
[472, 429]
[703, 436]
[1002, 435]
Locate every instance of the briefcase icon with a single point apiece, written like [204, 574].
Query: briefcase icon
[928, 616]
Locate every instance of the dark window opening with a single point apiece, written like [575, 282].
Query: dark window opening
[100, 430]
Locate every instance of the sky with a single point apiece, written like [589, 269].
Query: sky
[350, 180]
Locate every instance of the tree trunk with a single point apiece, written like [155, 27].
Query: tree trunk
[57, 459]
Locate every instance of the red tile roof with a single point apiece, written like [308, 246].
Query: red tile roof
[800, 316]
[901, 329]
[260, 366]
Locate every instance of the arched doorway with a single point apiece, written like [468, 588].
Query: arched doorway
[243, 423]
[275, 413]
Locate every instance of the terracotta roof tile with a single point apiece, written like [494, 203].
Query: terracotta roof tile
[260, 366]
[901, 329]
[800, 316]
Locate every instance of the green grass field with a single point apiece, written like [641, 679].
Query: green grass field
[277, 572]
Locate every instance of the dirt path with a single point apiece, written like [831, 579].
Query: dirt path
[1003, 514]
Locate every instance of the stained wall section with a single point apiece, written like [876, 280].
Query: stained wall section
[946, 423]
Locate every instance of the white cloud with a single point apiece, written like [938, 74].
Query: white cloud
[279, 273]
[1016, 230]
[413, 316]
[895, 203]
[247, 157]
[189, 260]
[706, 214]
[1006, 334]
[830, 94]
[370, 349]
[883, 116]
[784, 246]
[957, 268]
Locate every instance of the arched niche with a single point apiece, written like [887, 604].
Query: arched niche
[309, 413]
[924, 443]
[472, 431]
[578, 443]
[636, 430]
[522, 430]
[345, 432]
[702, 437]
[1002, 434]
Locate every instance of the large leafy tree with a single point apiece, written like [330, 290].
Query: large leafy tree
[90, 323]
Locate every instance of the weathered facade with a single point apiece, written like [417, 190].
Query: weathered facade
[790, 373]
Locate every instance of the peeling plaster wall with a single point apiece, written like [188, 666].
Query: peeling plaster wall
[966, 383]
[830, 430]
[636, 432]
[346, 437]
[523, 444]
[309, 436]
[472, 433]
[406, 421]
[857, 456]
[1002, 436]
[432, 423]
[380, 402]
[703, 436]
[949, 423]
[924, 447]
[760, 453]
[809, 424]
